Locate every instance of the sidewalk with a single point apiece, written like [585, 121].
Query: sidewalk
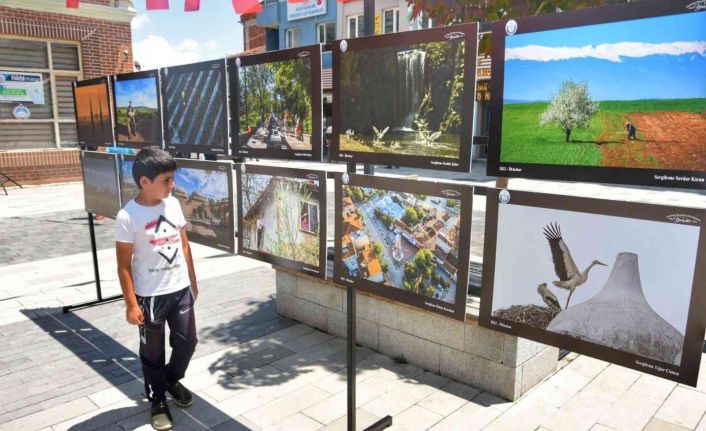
[253, 369]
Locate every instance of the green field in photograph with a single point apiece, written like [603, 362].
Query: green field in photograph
[524, 140]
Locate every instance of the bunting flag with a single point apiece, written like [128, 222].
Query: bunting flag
[157, 4]
[191, 5]
[73, 4]
[246, 6]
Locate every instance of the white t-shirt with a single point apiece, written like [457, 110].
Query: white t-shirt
[158, 265]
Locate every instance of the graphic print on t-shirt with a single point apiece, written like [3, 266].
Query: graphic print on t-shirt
[163, 237]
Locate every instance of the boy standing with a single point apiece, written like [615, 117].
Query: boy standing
[157, 277]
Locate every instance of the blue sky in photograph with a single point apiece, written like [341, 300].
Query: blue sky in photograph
[212, 184]
[654, 58]
[170, 37]
[142, 92]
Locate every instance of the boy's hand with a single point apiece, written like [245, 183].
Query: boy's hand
[195, 291]
[134, 315]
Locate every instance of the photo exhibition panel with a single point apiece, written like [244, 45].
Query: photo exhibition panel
[138, 118]
[101, 188]
[94, 124]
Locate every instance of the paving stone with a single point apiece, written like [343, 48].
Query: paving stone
[364, 419]
[286, 406]
[415, 418]
[632, 411]
[50, 416]
[660, 425]
[470, 417]
[683, 407]
[527, 414]
[560, 388]
[297, 422]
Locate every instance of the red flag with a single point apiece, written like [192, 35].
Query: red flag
[73, 4]
[191, 5]
[157, 4]
[247, 6]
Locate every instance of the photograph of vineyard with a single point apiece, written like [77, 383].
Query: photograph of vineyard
[93, 114]
[203, 195]
[401, 240]
[275, 105]
[100, 184]
[128, 188]
[408, 101]
[137, 118]
[281, 217]
[608, 95]
[195, 105]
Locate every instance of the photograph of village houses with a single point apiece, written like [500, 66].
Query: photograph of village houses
[203, 190]
[281, 219]
[401, 240]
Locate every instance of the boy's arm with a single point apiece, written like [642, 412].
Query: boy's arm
[189, 262]
[133, 313]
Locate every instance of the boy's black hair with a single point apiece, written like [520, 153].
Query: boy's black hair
[150, 162]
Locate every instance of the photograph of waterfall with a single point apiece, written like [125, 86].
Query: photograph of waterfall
[101, 190]
[406, 98]
[278, 108]
[282, 217]
[406, 240]
[195, 107]
[591, 96]
[585, 275]
[93, 116]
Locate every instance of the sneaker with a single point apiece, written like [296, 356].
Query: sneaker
[161, 417]
[182, 396]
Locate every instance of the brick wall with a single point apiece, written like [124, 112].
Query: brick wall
[41, 166]
[102, 54]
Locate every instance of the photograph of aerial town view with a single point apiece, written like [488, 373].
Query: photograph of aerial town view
[100, 183]
[93, 113]
[203, 190]
[402, 240]
[195, 111]
[608, 95]
[281, 218]
[274, 106]
[128, 188]
[137, 118]
[410, 99]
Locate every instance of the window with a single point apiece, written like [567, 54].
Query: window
[355, 26]
[293, 37]
[308, 217]
[326, 32]
[51, 125]
[391, 21]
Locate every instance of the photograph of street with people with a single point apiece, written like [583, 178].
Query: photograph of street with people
[137, 117]
[608, 95]
[93, 113]
[401, 240]
[275, 105]
[409, 100]
[195, 110]
[203, 190]
[281, 217]
[100, 183]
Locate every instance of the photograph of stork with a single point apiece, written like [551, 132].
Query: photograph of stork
[195, 107]
[278, 109]
[101, 190]
[406, 240]
[592, 89]
[282, 216]
[618, 281]
[406, 97]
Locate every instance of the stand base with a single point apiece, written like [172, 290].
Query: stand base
[67, 308]
[381, 424]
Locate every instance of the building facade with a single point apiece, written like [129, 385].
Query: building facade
[63, 45]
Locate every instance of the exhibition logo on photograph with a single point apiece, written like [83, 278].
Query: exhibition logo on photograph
[451, 193]
[312, 177]
[683, 219]
[303, 54]
[697, 5]
[454, 35]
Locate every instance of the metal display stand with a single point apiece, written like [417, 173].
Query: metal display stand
[96, 273]
[5, 179]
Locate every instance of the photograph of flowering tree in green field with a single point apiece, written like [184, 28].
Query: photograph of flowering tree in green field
[608, 95]
[407, 100]
[275, 105]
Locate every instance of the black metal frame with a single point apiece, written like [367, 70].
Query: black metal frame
[4, 178]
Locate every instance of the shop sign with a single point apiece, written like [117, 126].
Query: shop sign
[21, 87]
[305, 9]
